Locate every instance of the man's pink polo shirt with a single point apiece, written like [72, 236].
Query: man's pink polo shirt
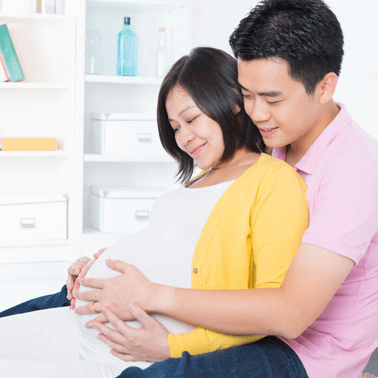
[341, 173]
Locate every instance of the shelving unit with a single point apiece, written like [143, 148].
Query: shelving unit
[98, 158]
[43, 105]
[108, 93]
[35, 17]
[57, 98]
[128, 80]
[43, 86]
[31, 154]
[143, 5]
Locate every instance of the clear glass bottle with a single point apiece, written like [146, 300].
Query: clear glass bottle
[93, 57]
[127, 51]
[162, 54]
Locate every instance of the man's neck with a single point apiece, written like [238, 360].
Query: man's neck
[296, 150]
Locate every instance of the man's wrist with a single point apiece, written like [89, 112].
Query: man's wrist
[162, 299]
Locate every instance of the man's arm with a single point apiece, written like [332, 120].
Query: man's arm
[311, 281]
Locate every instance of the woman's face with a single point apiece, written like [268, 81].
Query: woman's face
[196, 134]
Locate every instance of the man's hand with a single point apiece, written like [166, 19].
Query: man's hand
[131, 286]
[77, 271]
[149, 343]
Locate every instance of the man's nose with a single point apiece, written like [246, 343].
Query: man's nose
[259, 111]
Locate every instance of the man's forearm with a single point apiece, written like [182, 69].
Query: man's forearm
[248, 312]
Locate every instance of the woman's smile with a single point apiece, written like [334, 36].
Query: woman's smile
[196, 150]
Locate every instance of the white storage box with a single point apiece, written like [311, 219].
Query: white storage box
[120, 210]
[125, 134]
[27, 219]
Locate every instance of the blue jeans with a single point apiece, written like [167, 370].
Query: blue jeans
[41, 303]
[266, 358]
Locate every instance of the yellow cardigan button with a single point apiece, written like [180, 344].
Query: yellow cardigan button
[195, 270]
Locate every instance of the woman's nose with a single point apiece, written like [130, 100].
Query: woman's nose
[186, 136]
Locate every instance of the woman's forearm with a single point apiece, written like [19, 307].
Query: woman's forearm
[234, 312]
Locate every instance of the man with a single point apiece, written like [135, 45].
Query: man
[323, 319]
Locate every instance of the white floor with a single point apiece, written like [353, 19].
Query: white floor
[20, 282]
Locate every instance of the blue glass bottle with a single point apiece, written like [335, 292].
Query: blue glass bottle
[127, 51]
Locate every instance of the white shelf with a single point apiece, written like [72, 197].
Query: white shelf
[98, 158]
[143, 5]
[91, 233]
[93, 240]
[12, 154]
[35, 17]
[28, 85]
[107, 79]
[35, 243]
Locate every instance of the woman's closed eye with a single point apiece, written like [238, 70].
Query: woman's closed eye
[192, 119]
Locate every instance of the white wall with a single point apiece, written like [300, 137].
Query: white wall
[214, 21]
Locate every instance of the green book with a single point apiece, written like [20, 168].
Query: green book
[9, 56]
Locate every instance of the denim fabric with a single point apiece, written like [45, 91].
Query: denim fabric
[267, 358]
[40, 303]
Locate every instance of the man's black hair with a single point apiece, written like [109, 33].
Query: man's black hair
[304, 33]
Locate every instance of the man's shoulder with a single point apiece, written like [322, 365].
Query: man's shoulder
[354, 147]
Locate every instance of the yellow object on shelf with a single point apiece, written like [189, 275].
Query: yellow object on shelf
[28, 144]
[39, 6]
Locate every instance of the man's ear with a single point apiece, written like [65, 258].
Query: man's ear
[327, 87]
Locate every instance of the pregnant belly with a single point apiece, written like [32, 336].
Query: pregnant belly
[167, 268]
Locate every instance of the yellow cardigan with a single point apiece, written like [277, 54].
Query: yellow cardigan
[248, 241]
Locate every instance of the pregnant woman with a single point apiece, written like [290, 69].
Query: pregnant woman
[235, 226]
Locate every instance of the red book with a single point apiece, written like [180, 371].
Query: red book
[3, 72]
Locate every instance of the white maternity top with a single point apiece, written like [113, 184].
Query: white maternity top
[163, 251]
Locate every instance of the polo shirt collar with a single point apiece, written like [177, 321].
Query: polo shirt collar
[318, 148]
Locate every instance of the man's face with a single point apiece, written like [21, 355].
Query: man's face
[279, 106]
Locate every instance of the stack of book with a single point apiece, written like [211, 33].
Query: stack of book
[10, 68]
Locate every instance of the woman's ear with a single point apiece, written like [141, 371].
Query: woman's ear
[237, 109]
[327, 87]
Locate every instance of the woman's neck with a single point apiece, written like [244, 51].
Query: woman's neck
[228, 170]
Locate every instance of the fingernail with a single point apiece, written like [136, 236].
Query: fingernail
[74, 294]
[132, 307]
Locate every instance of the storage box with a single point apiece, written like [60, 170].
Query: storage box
[24, 219]
[125, 134]
[120, 210]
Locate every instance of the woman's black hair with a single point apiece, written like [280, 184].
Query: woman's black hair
[210, 77]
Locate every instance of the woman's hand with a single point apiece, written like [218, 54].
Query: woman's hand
[149, 343]
[131, 286]
[76, 272]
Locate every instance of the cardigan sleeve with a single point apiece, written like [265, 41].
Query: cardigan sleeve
[278, 220]
[201, 340]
